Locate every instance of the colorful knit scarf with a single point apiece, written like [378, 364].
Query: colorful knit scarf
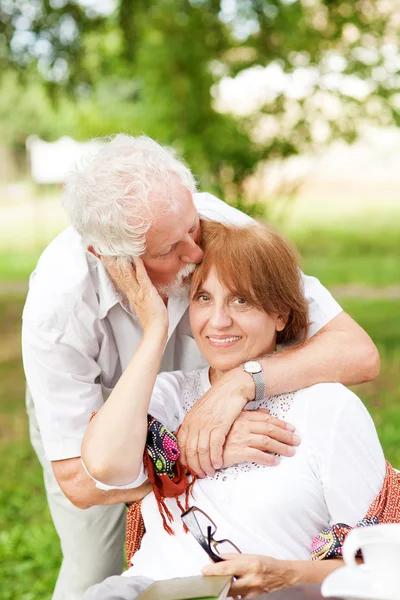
[384, 509]
[169, 479]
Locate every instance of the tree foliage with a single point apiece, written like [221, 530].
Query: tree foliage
[155, 66]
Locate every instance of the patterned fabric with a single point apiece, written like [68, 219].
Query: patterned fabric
[169, 480]
[384, 509]
[162, 447]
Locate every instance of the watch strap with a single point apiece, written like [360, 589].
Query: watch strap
[260, 386]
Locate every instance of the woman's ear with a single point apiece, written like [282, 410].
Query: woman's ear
[280, 322]
[92, 251]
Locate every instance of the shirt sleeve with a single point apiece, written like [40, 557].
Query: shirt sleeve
[165, 406]
[64, 380]
[353, 464]
[322, 307]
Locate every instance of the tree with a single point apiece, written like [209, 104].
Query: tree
[154, 66]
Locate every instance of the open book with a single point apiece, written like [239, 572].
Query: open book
[188, 588]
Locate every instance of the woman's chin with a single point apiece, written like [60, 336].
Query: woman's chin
[225, 364]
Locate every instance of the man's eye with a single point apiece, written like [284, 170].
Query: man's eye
[165, 254]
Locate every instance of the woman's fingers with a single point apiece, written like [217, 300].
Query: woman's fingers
[121, 272]
[141, 273]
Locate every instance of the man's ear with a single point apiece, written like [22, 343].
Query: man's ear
[92, 251]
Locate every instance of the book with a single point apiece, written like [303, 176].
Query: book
[188, 588]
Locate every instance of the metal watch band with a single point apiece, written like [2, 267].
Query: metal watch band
[260, 386]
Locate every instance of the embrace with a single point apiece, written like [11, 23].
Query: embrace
[167, 302]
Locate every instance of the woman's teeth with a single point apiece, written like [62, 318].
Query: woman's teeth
[226, 340]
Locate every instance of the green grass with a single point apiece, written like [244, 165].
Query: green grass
[337, 253]
[355, 255]
[29, 550]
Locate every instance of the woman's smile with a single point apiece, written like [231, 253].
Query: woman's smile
[223, 341]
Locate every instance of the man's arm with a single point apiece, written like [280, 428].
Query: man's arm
[340, 352]
[81, 490]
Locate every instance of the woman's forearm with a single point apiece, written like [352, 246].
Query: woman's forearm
[307, 571]
[113, 445]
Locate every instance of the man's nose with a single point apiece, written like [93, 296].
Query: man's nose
[193, 253]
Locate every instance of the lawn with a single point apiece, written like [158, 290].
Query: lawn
[29, 549]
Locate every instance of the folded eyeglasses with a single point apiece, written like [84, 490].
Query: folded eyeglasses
[203, 530]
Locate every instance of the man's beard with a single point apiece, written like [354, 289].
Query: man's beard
[179, 287]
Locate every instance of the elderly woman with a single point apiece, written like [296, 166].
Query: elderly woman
[246, 297]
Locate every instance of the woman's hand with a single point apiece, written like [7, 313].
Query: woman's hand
[255, 574]
[133, 281]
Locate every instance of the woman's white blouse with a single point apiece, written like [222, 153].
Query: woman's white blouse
[336, 473]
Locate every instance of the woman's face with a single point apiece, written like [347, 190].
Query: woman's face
[227, 329]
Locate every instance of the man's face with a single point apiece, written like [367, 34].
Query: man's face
[172, 242]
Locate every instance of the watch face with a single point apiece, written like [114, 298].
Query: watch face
[251, 366]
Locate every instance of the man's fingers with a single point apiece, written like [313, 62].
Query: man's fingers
[217, 441]
[261, 414]
[203, 450]
[276, 433]
[261, 458]
[181, 436]
[267, 444]
[192, 456]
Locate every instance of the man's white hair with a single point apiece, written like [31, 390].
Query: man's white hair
[112, 196]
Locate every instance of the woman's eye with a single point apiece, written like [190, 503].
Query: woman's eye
[202, 298]
[240, 301]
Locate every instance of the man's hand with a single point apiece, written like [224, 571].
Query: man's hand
[206, 427]
[202, 434]
[256, 436]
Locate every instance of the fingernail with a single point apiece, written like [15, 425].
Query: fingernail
[296, 439]
[290, 427]
[291, 452]
[276, 460]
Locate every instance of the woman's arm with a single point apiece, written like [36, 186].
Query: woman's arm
[113, 445]
[258, 574]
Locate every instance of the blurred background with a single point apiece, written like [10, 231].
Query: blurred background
[288, 109]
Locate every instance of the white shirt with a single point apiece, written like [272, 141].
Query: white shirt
[336, 473]
[77, 338]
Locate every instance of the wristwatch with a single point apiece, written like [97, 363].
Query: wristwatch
[255, 369]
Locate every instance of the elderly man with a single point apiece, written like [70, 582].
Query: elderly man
[133, 198]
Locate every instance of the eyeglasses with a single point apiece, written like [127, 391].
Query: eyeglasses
[203, 530]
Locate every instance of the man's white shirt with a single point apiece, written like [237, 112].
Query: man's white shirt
[77, 338]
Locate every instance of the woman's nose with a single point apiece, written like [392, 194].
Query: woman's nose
[220, 318]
